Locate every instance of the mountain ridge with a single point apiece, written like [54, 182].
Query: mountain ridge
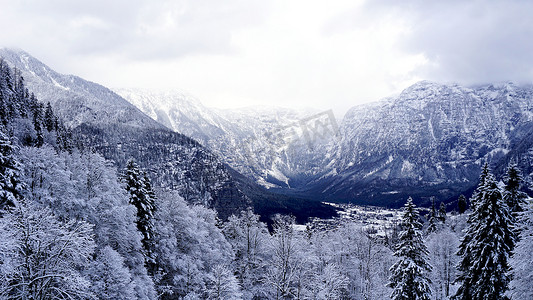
[431, 136]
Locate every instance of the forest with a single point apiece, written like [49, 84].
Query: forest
[74, 226]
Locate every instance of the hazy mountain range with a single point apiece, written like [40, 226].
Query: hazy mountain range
[430, 140]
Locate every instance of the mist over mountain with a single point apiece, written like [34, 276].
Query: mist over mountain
[263, 143]
[429, 141]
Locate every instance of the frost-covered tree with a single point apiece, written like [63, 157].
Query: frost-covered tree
[109, 276]
[222, 285]
[50, 121]
[10, 169]
[369, 262]
[329, 283]
[41, 257]
[410, 274]
[285, 268]
[142, 197]
[38, 120]
[522, 283]
[486, 246]
[442, 246]
[188, 246]
[476, 196]
[249, 239]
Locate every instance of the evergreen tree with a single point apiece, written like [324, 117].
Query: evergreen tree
[142, 197]
[462, 205]
[514, 198]
[38, 124]
[10, 184]
[3, 110]
[432, 217]
[49, 118]
[476, 196]
[486, 246]
[410, 274]
[442, 212]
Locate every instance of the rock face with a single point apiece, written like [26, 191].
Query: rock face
[430, 140]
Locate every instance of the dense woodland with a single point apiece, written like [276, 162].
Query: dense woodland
[73, 226]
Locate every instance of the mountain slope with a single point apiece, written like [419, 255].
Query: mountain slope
[429, 141]
[264, 143]
[76, 100]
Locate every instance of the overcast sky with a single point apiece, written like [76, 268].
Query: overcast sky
[230, 53]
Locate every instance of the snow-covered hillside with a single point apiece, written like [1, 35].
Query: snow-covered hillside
[75, 100]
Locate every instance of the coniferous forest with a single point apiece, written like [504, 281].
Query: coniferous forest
[73, 225]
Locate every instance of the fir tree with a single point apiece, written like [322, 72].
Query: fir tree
[442, 212]
[10, 184]
[38, 124]
[410, 273]
[462, 205]
[3, 110]
[514, 198]
[476, 196]
[142, 197]
[486, 246]
[49, 118]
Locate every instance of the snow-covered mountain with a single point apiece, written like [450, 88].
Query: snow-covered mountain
[76, 100]
[264, 143]
[430, 140]
[115, 128]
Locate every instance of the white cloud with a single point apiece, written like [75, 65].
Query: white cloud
[291, 53]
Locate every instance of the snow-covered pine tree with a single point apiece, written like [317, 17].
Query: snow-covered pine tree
[514, 198]
[10, 169]
[442, 212]
[462, 205]
[486, 246]
[476, 196]
[142, 197]
[410, 274]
